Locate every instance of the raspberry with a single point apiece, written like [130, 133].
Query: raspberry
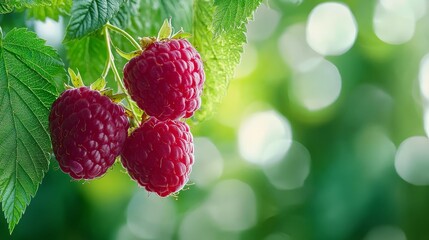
[88, 132]
[159, 155]
[166, 80]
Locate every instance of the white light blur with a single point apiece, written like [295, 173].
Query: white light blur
[264, 23]
[249, 60]
[394, 21]
[124, 233]
[264, 137]
[197, 226]
[51, 31]
[295, 50]
[412, 160]
[375, 150]
[151, 217]
[386, 232]
[232, 206]
[208, 164]
[292, 170]
[418, 7]
[331, 28]
[317, 87]
[424, 76]
[426, 121]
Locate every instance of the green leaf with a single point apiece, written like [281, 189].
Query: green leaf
[28, 70]
[89, 56]
[8, 5]
[5, 8]
[233, 14]
[128, 9]
[166, 30]
[53, 10]
[150, 16]
[87, 16]
[152, 13]
[220, 56]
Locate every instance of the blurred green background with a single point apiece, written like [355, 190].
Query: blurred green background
[322, 135]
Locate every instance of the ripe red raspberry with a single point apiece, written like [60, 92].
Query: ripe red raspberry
[166, 80]
[88, 132]
[159, 155]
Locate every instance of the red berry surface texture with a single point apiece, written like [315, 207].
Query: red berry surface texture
[88, 132]
[166, 80]
[159, 155]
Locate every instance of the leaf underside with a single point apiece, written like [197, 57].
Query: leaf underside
[53, 10]
[88, 55]
[220, 54]
[7, 6]
[28, 70]
[233, 14]
[88, 16]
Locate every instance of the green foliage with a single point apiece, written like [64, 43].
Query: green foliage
[88, 55]
[147, 21]
[5, 8]
[220, 54]
[8, 5]
[53, 11]
[88, 16]
[128, 9]
[152, 13]
[28, 70]
[231, 15]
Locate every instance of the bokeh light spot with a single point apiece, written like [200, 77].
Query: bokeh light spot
[318, 87]
[249, 60]
[386, 232]
[331, 28]
[412, 160]
[264, 137]
[292, 170]
[278, 236]
[51, 31]
[264, 23]
[232, 206]
[151, 217]
[426, 120]
[197, 226]
[424, 76]
[208, 165]
[418, 7]
[375, 150]
[394, 21]
[295, 50]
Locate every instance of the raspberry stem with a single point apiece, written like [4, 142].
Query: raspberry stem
[124, 34]
[111, 65]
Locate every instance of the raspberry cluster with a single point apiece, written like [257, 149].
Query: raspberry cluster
[89, 130]
[166, 81]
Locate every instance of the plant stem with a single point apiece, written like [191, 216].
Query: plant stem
[125, 34]
[106, 69]
[111, 60]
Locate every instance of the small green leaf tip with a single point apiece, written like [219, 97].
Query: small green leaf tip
[166, 30]
[117, 98]
[181, 34]
[128, 56]
[76, 79]
[98, 85]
